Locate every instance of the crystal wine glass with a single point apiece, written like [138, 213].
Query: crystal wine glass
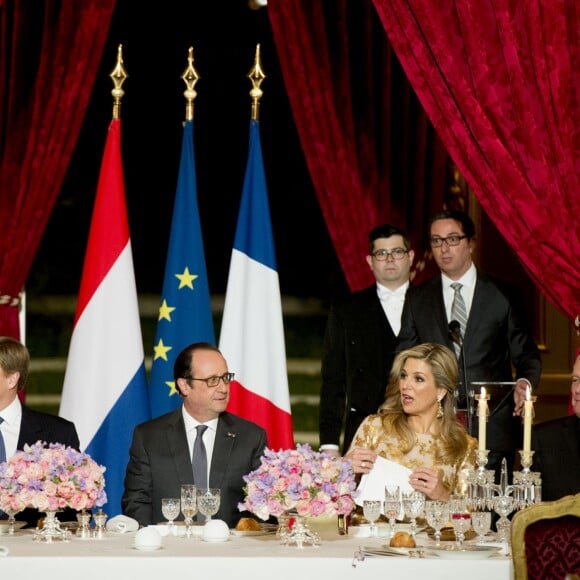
[460, 518]
[481, 524]
[188, 505]
[372, 512]
[11, 513]
[437, 515]
[392, 506]
[208, 501]
[170, 508]
[413, 504]
[503, 505]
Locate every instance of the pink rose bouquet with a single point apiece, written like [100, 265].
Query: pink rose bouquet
[50, 478]
[300, 479]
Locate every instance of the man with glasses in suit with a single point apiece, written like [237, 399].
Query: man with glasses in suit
[360, 340]
[480, 317]
[199, 443]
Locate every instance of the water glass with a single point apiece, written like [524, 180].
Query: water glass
[208, 501]
[372, 512]
[437, 515]
[481, 524]
[170, 508]
[413, 504]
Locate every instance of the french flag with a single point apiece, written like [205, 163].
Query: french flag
[105, 385]
[252, 332]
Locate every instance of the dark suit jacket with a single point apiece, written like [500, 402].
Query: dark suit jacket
[160, 461]
[36, 426]
[556, 446]
[359, 346]
[496, 337]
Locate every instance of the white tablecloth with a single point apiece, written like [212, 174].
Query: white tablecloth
[255, 557]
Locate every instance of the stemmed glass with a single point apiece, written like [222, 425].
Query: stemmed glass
[481, 524]
[188, 505]
[208, 501]
[413, 504]
[503, 505]
[170, 508]
[372, 512]
[437, 515]
[392, 506]
[11, 513]
[460, 518]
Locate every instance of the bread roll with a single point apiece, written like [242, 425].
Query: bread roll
[402, 540]
[248, 525]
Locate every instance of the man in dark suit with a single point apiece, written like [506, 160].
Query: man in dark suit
[493, 331]
[556, 447]
[20, 425]
[163, 449]
[360, 340]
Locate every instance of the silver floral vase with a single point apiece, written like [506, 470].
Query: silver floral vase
[297, 532]
[51, 530]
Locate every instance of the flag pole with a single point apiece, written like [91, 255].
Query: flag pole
[257, 76]
[190, 78]
[119, 76]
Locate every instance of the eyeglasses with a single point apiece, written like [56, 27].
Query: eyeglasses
[395, 253]
[437, 242]
[214, 381]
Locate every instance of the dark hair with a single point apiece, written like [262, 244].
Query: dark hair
[460, 217]
[182, 365]
[386, 231]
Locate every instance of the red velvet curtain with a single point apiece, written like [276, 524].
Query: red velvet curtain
[49, 55]
[500, 80]
[371, 152]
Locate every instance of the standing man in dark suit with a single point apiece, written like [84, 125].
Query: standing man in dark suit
[162, 449]
[360, 340]
[556, 447]
[494, 333]
[20, 425]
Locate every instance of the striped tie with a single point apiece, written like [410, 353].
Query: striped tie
[458, 312]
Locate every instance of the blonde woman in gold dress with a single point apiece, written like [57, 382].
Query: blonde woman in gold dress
[416, 426]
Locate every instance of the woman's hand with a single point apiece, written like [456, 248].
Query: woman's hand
[427, 480]
[362, 459]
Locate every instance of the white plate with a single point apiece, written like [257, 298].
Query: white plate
[4, 526]
[264, 529]
[465, 553]
[389, 551]
[147, 548]
[215, 540]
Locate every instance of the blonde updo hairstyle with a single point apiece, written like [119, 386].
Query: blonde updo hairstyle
[443, 364]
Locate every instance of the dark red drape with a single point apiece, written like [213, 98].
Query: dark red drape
[49, 55]
[371, 152]
[500, 81]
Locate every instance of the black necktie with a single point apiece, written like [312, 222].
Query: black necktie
[2, 447]
[2, 454]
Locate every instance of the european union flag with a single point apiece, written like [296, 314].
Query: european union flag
[185, 311]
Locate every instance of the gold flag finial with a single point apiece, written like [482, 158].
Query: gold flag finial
[118, 75]
[190, 77]
[256, 75]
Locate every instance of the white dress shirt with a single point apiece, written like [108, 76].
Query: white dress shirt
[392, 303]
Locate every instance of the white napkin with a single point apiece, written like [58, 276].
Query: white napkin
[122, 524]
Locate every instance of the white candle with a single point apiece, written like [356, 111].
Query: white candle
[482, 412]
[528, 413]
